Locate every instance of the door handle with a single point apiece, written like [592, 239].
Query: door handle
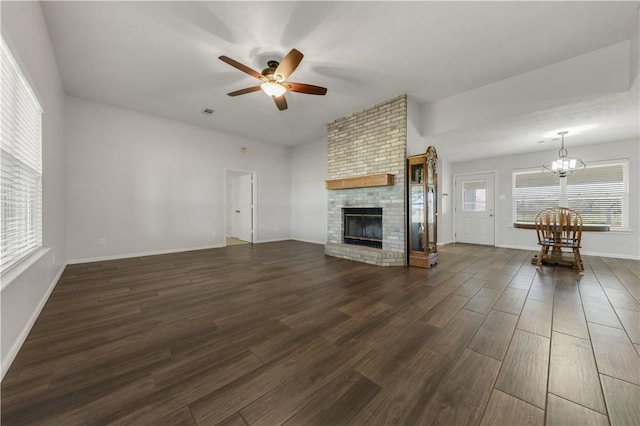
[491, 215]
[237, 211]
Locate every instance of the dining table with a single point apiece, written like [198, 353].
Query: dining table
[556, 257]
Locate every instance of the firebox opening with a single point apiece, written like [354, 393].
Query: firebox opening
[363, 226]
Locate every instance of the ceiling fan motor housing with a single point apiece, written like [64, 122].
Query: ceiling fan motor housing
[270, 70]
[268, 73]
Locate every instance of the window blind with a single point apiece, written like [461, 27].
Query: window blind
[20, 165]
[532, 192]
[600, 193]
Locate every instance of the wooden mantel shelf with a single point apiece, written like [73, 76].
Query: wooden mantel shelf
[383, 179]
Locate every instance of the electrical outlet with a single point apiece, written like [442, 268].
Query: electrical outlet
[102, 241]
[214, 234]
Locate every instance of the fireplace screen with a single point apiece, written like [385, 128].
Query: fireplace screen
[363, 226]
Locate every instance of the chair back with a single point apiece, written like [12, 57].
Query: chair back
[559, 226]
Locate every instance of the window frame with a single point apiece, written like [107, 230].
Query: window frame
[26, 161]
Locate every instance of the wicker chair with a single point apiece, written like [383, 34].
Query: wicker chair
[559, 228]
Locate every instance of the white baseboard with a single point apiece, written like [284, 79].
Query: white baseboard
[141, 254]
[157, 252]
[613, 255]
[309, 241]
[180, 250]
[275, 240]
[15, 348]
[532, 248]
[582, 252]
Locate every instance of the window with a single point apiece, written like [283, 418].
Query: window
[474, 196]
[533, 191]
[20, 165]
[600, 193]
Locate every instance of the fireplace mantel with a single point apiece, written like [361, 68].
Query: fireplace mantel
[383, 179]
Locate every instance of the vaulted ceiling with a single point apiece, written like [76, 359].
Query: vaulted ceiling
[162, 57]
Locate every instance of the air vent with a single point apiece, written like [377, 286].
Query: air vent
[207, 111]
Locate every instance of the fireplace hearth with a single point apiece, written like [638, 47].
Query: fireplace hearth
[362, 226]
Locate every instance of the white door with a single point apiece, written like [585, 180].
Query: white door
[244, 208]
[474, 209]
[234, 209]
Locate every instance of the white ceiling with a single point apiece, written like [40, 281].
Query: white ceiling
[605, 119]
[161, 58]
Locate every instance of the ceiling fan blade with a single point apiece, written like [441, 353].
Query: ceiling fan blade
[288, 65]
[280, 101]
[309, 89]
[243, 91]
[241, 67]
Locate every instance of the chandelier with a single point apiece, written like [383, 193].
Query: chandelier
[564, 165]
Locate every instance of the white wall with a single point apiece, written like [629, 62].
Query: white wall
[308, 192]
[609, 244]
[147, 184]
[416, 144]
[23, 295]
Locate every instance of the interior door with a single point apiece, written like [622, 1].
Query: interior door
[234, 209]
[474, 208]
[244, 209]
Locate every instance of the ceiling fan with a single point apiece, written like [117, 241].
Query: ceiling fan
[274, 77]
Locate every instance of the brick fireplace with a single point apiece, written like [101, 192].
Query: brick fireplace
[369, 142]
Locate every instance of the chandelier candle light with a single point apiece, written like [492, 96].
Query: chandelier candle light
[564, 165]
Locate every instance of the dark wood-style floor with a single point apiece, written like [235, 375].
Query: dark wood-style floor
[280, 334]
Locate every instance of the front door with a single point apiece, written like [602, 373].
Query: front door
[474, 208]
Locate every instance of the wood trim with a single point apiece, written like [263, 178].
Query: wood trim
[587, 228]
[383, 179]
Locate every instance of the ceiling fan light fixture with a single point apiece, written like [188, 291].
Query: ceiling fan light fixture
[273, 89]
